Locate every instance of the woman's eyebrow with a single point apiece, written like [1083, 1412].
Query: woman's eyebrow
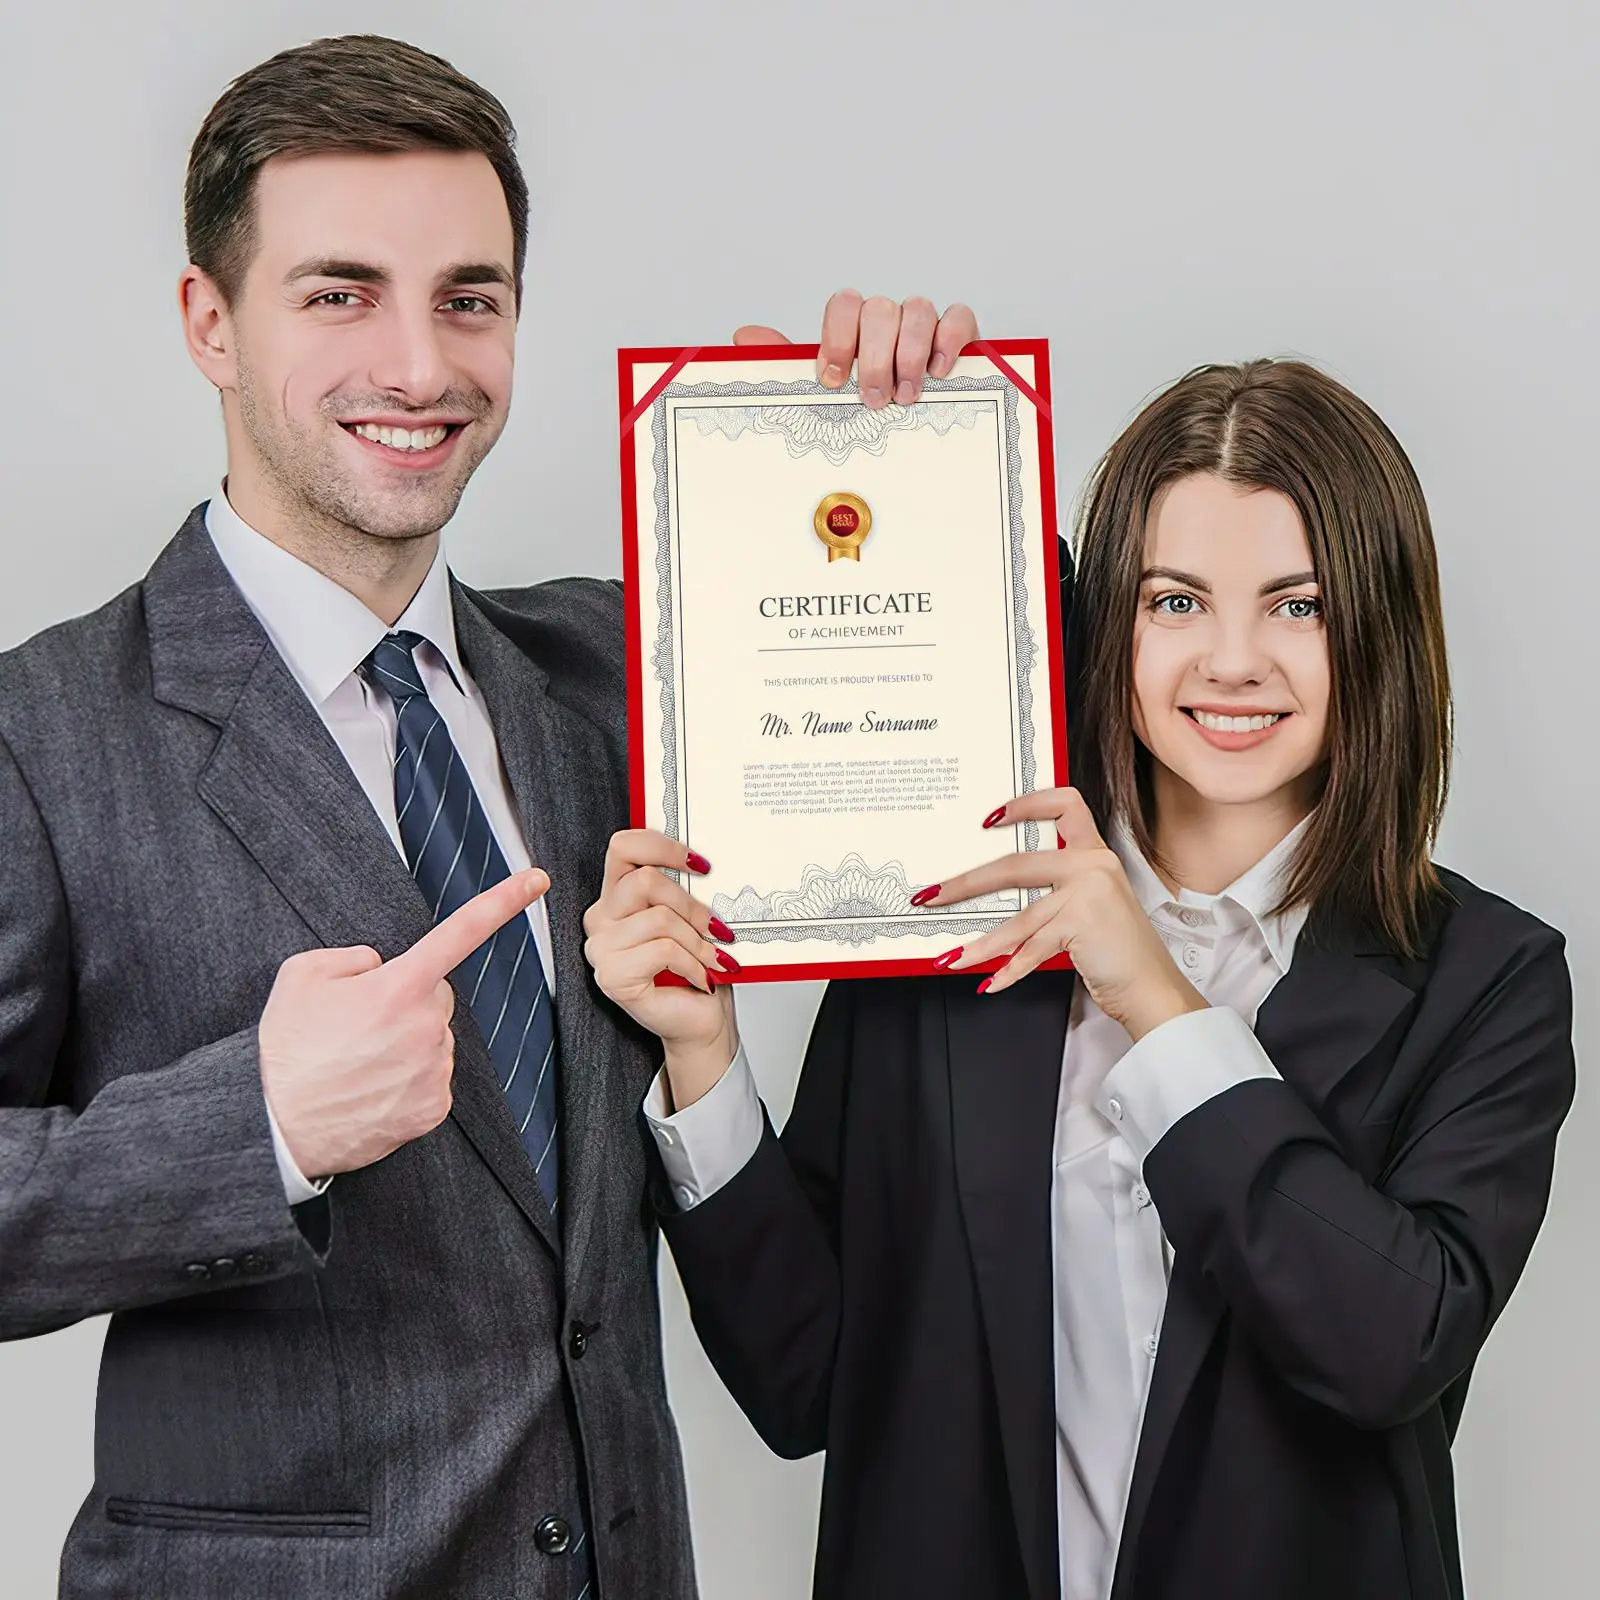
[1173, 575]
[1293, 581]
[1191, 581]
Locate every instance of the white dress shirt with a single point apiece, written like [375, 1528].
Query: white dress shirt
[1117, 1100]
[323, 632]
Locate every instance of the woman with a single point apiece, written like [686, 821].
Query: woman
[1161, 1278]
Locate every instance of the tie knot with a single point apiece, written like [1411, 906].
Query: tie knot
[392, 666]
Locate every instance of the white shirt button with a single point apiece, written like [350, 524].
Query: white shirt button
[1141, 1195]
[1191, 956]
[1151, 1345]
[1114, 1106]
[686, 1195]
[664, 1135]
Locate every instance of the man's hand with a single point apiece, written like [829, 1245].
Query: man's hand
[897, 344]
[357, 1053]
[642, 925]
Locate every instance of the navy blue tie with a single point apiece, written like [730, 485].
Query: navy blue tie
[453, 855]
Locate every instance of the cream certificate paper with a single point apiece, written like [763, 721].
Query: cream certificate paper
[845, 643]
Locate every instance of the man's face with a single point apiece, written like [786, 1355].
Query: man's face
[373, 336]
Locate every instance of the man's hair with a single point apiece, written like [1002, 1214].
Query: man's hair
[360, 93]
[1284, 425]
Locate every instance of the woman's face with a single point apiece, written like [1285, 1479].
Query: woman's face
[1230, 658]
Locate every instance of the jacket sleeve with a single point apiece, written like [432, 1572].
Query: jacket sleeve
[165, 1183]
[759, 1258]
[1373, 1298]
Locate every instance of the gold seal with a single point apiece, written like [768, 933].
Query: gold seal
[843, 522]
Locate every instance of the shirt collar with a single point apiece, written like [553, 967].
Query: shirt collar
[1254, 892]
[322, 631]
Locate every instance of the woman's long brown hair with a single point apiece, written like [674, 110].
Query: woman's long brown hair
[1286, 426]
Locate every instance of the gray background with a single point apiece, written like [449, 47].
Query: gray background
[1405, 194]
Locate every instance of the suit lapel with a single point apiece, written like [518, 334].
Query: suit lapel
[278, 780]
[1005, 1079]
[557, 767]
[1340, 997]
[276, 777]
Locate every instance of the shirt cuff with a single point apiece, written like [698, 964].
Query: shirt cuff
[708, 1144]
[297, 1187]
[1175, 1069]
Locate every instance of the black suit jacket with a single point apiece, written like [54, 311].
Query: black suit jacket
[878, 1282]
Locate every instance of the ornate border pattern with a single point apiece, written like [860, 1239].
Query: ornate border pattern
[801, 434]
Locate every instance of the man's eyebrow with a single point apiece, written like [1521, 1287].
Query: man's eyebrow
[465, 274]
[336, 267]
[458, 275]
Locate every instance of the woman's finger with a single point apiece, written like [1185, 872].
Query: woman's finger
[1009, 936]
[648, 886]
[1026, 869]
[655, 923]
[637, 967]
[1032, 953]
[643, 847]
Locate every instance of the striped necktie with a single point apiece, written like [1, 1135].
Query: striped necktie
[453, 856]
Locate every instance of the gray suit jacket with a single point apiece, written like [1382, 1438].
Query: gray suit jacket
[384, 1392]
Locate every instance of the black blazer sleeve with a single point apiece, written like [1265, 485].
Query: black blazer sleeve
[759, 1261]
[1372, 1298]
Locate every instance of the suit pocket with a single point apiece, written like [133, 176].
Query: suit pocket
[221, 1519]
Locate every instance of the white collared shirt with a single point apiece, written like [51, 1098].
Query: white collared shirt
[323, 633]
[1117, 1100]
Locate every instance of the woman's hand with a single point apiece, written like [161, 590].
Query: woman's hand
[1091, 913]
[643, 925]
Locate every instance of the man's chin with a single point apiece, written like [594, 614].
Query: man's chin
[412, 511]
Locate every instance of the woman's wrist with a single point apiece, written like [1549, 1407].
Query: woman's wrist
[694, 1068]
[1160, 1001]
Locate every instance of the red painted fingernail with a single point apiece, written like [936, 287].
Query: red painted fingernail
[983, 988]
[727, 963]
[994, 816]
[949, 958]
[923, 896]
[721, 930]
[697, 862]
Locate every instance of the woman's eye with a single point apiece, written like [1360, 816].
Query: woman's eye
[1175, 605]
[1301, 607]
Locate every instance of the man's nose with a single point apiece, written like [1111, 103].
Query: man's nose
[409, 358]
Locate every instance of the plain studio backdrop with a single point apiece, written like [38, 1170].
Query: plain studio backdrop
[1404, 194]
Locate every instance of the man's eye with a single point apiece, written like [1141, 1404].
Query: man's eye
[338, 298]
[473, 304]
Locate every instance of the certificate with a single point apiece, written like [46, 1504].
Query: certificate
[844, 642]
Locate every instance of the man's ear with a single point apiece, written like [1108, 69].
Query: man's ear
[207, 326]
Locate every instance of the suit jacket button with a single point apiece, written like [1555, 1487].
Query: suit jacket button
[254, 1262]
[197, 1270]
[225, 1267]
[579, 1342]
[553, 1536]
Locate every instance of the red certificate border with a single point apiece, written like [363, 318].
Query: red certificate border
[631, 407]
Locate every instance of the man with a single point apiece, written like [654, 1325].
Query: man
[300, 1078]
